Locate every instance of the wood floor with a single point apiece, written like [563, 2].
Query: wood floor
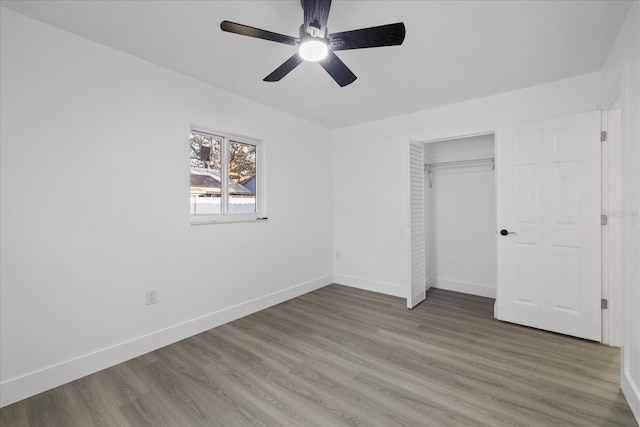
[342, 356]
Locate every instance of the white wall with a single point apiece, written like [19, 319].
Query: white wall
[101, 138]
[623, 66]
[371, 164]
[460, 217]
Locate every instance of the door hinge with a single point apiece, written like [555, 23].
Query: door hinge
[604, 303]
[604, 220]
[603, 136]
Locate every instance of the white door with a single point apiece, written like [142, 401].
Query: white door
[417, 279]
[548, 195]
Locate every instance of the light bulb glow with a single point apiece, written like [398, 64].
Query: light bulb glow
[313, 49]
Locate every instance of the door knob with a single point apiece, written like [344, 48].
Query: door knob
[506, 232]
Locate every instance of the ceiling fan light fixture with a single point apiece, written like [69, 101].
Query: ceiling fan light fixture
[313, 49]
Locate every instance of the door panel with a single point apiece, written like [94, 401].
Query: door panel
[527, 267]
[417, 269]
[548, 189]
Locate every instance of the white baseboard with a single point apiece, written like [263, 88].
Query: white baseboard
[631, 392]
[464, 287]
[371, 285]
[16, 389]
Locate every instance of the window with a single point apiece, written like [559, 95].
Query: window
[225, 178]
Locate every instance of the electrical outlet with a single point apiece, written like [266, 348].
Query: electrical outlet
[152, 296]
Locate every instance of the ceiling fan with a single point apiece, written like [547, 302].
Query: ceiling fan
[315, 44]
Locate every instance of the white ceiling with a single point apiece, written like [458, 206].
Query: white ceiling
[453, 50]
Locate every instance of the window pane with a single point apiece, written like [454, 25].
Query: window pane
[242, 177]
[206, 151]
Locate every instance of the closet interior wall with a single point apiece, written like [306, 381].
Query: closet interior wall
[460, 216]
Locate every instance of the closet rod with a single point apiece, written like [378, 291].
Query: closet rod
[429, 166]
[464, 162]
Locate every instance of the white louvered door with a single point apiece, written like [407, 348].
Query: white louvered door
[417, 279]
[548, 194]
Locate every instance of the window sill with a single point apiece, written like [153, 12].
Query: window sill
[226, 220]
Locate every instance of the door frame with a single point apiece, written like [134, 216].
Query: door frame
[411, 236]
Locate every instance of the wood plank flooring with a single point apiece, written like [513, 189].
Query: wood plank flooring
[342, 356]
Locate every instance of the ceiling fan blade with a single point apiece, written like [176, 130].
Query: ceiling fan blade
[245, 30]
[336, 69]
[383, 35]
[284, 69]
[316, 14]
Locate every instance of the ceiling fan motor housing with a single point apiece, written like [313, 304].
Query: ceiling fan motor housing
[314, 30]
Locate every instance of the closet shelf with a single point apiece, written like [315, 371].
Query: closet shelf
[459, 163]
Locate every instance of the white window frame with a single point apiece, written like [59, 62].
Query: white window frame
[225, 216]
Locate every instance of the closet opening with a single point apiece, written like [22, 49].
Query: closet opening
[460, 215]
